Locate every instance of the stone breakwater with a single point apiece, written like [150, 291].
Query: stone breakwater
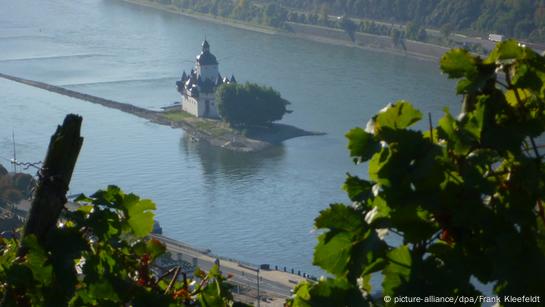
[235, 141]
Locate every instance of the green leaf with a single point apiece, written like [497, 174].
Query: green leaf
[100, 290]
[340, 217]
[36, 261]
[216, 292]
[326, 293]
[357, 189]
[140, 215]
[399, 115]
[449, 131]
[474, 122]
[361, 144]
[458, 63]
[85, 209]
[374, 266]
[333, 252]
[378, 164]
[398, 270]
[506, 50]
[109, 197]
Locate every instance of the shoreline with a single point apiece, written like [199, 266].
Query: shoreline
[205, 17]
[341, 40]
[197, 128]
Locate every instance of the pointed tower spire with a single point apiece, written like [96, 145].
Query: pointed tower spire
[205, 46]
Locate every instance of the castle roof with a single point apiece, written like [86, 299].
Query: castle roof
[206, 57]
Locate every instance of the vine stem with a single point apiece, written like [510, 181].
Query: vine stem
[431, 126]
[173, 280]
[536, 152]
[166, 274]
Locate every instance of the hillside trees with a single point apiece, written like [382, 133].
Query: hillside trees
[250, 104]
[442, 208]
[520, 19]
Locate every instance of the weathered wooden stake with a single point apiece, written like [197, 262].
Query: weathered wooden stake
[50, 195]
[55, 176]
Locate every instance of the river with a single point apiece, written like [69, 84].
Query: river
[256, 207]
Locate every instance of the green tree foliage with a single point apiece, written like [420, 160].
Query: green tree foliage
[440, 208]
[249, 104]
[100, 255]
[521, 19]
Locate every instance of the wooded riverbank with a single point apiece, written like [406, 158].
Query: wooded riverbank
[315, 33]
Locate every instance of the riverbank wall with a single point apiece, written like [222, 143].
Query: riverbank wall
[367, 41]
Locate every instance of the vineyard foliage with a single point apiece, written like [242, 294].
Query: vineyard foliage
[445, 209]
[100, 255]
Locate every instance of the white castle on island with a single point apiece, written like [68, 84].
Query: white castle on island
[199, 86]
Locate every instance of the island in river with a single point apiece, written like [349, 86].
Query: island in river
[215, 132]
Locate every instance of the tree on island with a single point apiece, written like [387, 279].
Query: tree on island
[250, 104]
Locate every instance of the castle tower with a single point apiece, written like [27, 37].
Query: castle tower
[199, 86]
[207, 65]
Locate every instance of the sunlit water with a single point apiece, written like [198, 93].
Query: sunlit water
[256, 207]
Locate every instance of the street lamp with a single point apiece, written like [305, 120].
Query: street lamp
[258, 296]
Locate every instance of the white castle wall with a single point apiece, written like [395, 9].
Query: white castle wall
[190, 105]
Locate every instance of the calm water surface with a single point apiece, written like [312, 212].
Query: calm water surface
[256, 207]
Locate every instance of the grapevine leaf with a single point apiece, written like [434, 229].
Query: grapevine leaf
[109, 197]
[357, 189]
[506, 50]
[458, 63]
[474, 122]
[100, 290]
[362, 145]
[449, 131]
[333, 252]
[399, 115]
[398, 270]
[328, 292]
[377, 167]
[37, 260]
[340, 217]
[140, 215]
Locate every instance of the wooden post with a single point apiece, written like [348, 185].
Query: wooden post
[55, 176]
[50, 195]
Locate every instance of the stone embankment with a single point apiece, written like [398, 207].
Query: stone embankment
[233, 140]
[366, 41]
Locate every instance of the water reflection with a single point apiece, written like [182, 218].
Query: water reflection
[233, 165]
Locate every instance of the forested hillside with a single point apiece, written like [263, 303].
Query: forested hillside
[519, 18]
[523, 19]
